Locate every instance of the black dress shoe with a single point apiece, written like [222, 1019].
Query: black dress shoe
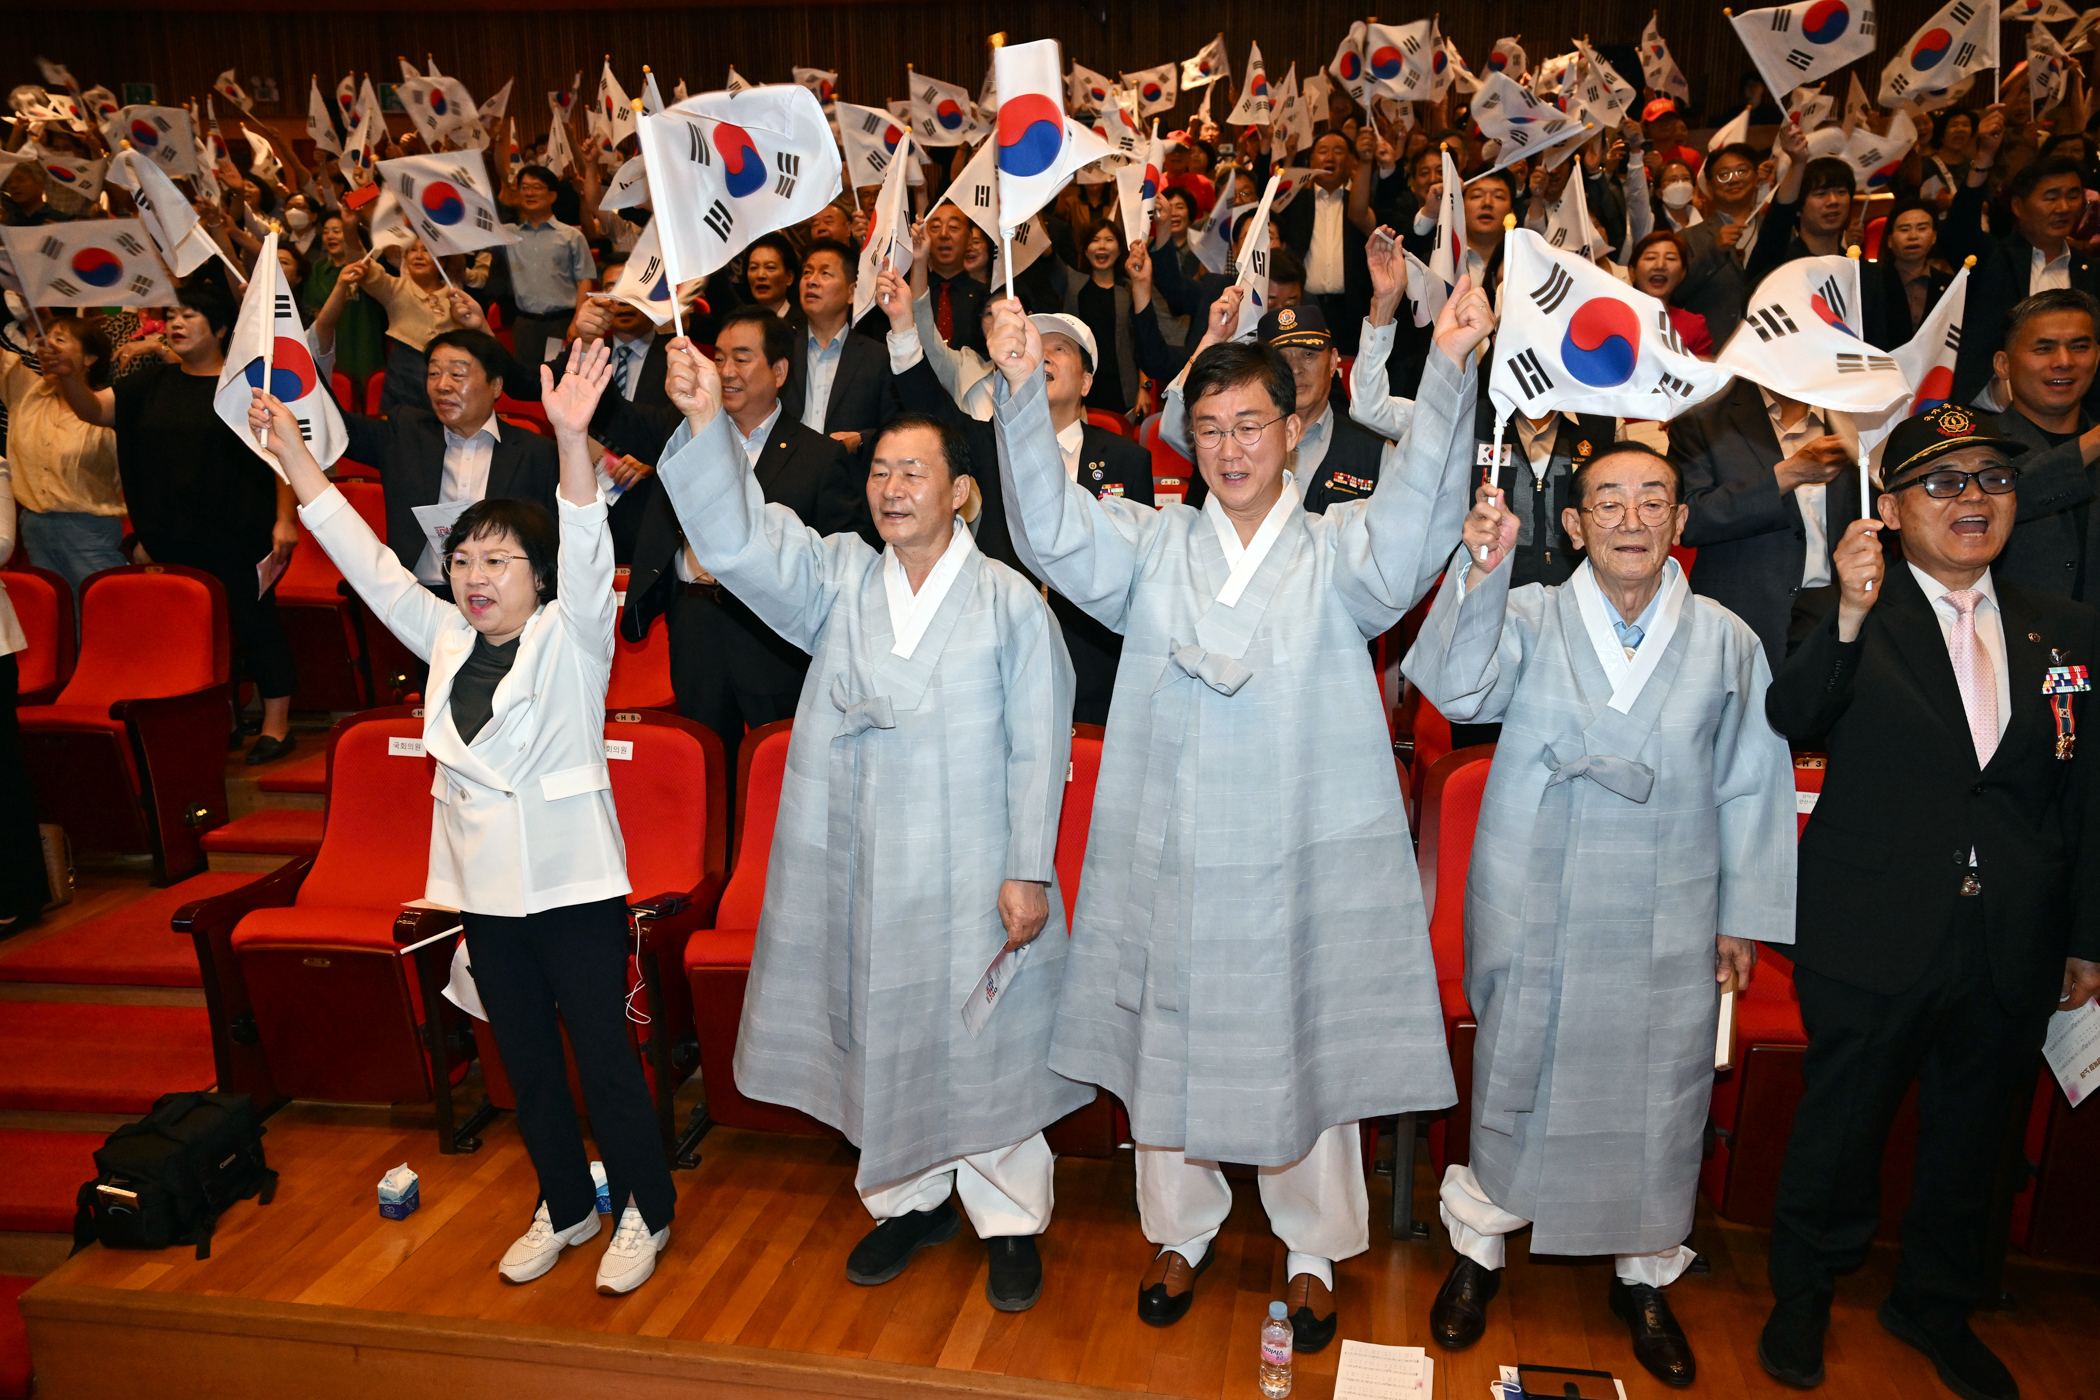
[1658, 1342]
[1458, 1317]
[1313, 1313]
[1791, 1346]
[1169, 1286]
[1966, 1366]
[884, 1251]
[1016, 1279]
[269, 750]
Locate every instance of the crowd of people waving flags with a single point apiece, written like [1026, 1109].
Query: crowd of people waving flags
[1697, 452]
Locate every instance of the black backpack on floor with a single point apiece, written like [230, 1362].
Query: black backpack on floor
[164, 1179]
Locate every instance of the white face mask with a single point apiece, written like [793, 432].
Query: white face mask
[298, 218]
[1677, 193]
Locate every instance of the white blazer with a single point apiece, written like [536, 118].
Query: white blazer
[524, 817]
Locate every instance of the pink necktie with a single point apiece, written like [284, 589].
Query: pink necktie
[1973, 673]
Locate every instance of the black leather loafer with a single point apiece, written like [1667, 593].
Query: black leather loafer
[1458, 1317]
[1658, 1342]
[1016, 1278]
[884, 1251]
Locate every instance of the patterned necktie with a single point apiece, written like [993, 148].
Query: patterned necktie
[620, 369]
[1630, 635]
[1973, 673]
[944, 314]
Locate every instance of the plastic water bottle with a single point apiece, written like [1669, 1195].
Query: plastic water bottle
[1276, 1353]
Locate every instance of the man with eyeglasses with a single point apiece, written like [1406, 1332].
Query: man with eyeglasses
[1713, 282]
[2052, 348]
[433, 463]
[1250, 968]
[1949, 896]
[1636, 843]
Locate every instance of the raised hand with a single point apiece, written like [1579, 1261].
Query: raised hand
[1015, 343]
[893, 295]
[1859, 565]
[1138, 263]
[1388, 274]
[1490, 532]
[692, 383]
[1224, 322]
[594, 318]
[1466, 320]
[466, 310]
[570, 403]
[274, 425]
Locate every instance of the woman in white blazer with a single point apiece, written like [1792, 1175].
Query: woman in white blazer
[523, 837]
[23, 891]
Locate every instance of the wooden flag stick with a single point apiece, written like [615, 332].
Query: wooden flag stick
[1006, 240]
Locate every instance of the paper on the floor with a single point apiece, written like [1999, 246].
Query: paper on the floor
[2073, 1050]
[1508, 1389]
[1372, 1372]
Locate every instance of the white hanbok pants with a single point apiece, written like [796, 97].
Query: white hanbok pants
[1317, 1205]
[1478, 1227]
[1007, 1191]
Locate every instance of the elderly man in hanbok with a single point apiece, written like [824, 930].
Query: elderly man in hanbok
[914, 844]
[1250, 967]
[1635, 843]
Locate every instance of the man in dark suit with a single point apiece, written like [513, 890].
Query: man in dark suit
[728, 669]
[1317, 226]
[2047, 200]
[1949, 894]
[838, 382]
[958, 298]
[1769, 485]
[455, 451]
[2052, 347]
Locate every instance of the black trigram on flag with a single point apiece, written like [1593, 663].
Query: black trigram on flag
[1771, 322]
[700, 152]
[1799, 60]
[51, 248]
[1963, 54]
[1531, 375]
[870, 124]
[130, 244]
[719, 220]
[1517, 136]
[283, 306]
[1671, 384]
[1833, 298]
[1412, 45]
[1668, 332]
[1782, 21]
[1550, 293]
[1962, 13]
[789, 168]
[64, 287]
[408, 186]
[1488, 104]
[1260, 262]
[1866, 23]
[1862, 364]
[483, 220]
[1954, 337]
[879, 161]
[306, 430]
[1898, 83]
[431, 232]
[981, 196]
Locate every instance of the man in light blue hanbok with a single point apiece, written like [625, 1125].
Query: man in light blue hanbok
[1250, 968]
[915, 838]
[1635, 842]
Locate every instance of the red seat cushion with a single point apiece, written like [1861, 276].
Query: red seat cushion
[83, 717]
[306, 773]
[36, 608]
[720, 947]
[306, 925]
[131, 945]
[141, 636]
[14, 1337]
[269, 831]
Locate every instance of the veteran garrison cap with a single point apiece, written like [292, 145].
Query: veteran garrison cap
[1936, 432]
[1295, 325]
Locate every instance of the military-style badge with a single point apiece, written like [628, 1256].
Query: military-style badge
[1953, 421]
[1582, 449]
[2060, 682]
[1287, 319]
[1095, 468]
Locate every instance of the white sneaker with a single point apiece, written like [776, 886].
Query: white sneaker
[535, 1251]
[631, 1257]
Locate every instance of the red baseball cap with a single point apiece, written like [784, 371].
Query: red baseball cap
[1660, 107]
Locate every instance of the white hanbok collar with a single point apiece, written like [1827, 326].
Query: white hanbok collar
[1629, 675]
[1245, 560]
[912, 613]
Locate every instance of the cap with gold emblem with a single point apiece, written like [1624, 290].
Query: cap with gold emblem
[1295, 325]
[1935, 433]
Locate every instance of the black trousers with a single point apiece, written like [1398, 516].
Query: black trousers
[1972, 1057]
[730, 670]
[568, 967]
[257, 634]
[23, 889]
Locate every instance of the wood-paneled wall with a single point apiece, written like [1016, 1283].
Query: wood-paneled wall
[180, 45]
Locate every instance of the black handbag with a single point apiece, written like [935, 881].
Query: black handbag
[165, 1179]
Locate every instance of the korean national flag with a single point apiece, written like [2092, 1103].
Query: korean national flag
[1927, 361]
[1796, 44]
[268, 350]
[95, 262]
[1209, 65]
[1575, 337]
[1960, 38]
[1039, 148]
[726, 167]
[446, 200]
[162, 134]
[1801, 338]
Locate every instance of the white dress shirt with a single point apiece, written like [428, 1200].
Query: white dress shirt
[636, 351]
[1069, 439]
[466, 478]
[1324, 255]
[754, 445]
[1815, 562]
[2048, 274]
[912, 613]
[1990, 630]
[823, 369]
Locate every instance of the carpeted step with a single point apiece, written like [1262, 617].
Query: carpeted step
[132, 946]
[14, 1338]
[40, 1174]
[306, 773]
[86, 1057]
[269, 831]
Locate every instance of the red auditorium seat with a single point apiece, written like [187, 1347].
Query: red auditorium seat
[1171, 472]
[131, 756]
[525, 412]
[390, 667]
[344, 389]
[1092, 1131]
[1114, 422]
[306, 972]
[43, 604]
[1450, 813]
[1423, 736]
[670, 787]
[375, 392]
[641, 671]
[318, 619]
[1685, 555]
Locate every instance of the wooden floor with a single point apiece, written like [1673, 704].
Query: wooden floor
[316, 1295]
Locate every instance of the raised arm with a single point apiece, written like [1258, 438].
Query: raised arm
[1371, 402]
[773, 563]
[1224, 320]
[1814, 688]
[584, 566]
[97, 407]
[1089, 550]
[411, 612]
[1466, 659]
[1390, 548]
